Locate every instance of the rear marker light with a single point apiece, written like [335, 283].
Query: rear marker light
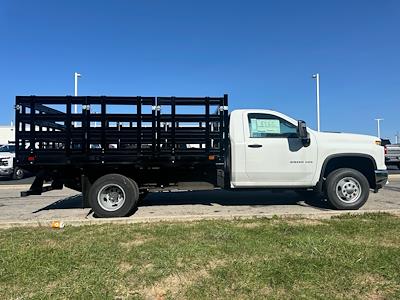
[31, 158]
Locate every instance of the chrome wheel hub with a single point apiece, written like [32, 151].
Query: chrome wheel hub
[111, 197]
[348, 189]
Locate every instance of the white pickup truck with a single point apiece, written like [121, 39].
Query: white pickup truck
[272, 150]
[7, 154]
[170, 145]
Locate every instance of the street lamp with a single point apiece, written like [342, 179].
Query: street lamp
[378, 121]
[316, 76]
[77, 75]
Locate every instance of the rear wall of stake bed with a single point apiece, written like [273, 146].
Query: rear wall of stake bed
[120, 130]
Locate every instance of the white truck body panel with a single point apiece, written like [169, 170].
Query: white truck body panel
[7, 134]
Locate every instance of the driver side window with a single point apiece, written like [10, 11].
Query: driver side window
[269, 126]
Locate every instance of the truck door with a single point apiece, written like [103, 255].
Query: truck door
[275, 156]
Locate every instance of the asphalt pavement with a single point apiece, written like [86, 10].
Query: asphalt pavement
[8, 181]
[66, 204]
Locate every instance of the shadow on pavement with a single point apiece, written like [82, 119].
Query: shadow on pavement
[221, 197]
[66, 203]
[392, 188]
[232, 198]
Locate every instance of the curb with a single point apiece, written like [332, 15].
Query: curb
[192, 218]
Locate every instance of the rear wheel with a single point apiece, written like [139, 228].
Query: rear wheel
[347, 189]
[113, 195]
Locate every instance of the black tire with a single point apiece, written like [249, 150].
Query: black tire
[355, 185]
[119, 186]
[142, 194]
[18, 174]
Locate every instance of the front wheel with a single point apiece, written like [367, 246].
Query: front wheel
[347, 189]
[18, 174]
[113, 195]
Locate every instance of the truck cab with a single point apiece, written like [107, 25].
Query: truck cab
[268, 151]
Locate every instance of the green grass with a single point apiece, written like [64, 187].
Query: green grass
[346, 257]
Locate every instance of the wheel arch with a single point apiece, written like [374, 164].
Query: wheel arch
[363, 163]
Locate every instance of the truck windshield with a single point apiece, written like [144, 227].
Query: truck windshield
[7, 148]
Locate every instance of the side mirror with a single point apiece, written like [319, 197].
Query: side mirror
[302, 133]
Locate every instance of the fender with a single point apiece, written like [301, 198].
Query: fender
[320, 182]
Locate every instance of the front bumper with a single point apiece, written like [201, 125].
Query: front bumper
[381, 178]
[6, 171]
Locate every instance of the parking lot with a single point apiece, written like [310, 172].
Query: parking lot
[65, 205]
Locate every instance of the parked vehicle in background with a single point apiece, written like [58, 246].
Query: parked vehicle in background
[167, 143]
[7, 154]
[385, 142]
[392, 153]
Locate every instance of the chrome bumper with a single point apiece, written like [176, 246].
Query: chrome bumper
[6, 171]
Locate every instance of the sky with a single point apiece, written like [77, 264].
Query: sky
[261, 53]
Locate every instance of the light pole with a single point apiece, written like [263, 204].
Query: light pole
[378, 121]
[316, 76]
[77, 75]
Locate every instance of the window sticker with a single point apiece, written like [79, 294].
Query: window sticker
[265, 126]
[253, 124]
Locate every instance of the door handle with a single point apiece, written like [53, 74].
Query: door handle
[254, 146]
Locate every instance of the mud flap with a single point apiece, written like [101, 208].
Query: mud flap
[86, 185]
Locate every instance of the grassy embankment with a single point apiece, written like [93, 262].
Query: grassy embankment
[347, 257]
